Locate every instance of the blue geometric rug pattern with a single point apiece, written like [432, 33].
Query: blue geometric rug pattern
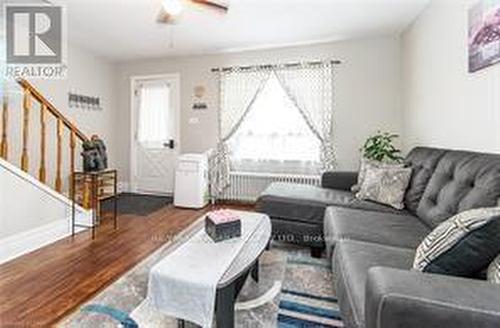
[303, 306]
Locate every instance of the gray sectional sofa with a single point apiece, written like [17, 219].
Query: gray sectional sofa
[372, 247]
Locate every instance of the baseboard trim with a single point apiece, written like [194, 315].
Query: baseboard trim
[31, 240]
[123, 186]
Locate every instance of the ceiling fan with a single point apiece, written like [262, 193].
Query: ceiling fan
[171, 9]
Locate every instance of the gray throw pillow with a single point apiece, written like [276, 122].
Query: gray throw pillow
[385, 185]
[494, 271]
[463, 245]
[367, 164]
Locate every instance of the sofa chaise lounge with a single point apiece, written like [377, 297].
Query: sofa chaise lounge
[372, 246]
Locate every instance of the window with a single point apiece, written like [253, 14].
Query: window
[274, 137]
[154, 111]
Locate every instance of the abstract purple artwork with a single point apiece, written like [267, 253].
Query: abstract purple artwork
[484, 34]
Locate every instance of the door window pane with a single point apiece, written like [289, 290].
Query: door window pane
[154, 114]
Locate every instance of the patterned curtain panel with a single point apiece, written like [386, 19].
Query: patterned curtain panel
[311, 89]
[238, 90]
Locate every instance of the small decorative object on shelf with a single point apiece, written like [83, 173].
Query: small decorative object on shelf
[222, 225]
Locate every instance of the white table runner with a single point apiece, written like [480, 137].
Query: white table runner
[184, 284]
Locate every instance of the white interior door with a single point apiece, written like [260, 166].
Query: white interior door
[156, 134]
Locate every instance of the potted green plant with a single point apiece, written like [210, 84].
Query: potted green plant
[380, 147]
[378, 151]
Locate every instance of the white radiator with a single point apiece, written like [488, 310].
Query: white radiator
[246, 187]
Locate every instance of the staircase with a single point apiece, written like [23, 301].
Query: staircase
[38, 149]
[35, 104]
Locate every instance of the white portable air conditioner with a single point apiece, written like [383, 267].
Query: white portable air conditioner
[191, 181]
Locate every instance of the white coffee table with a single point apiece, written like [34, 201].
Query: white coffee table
[245, 263]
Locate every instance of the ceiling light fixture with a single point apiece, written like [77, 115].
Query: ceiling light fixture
[172, 7]
[171, 10]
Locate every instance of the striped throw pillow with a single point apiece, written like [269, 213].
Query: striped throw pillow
[494, 271]
[462, 245]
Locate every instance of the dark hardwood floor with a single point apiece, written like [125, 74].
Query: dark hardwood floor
[41, 288]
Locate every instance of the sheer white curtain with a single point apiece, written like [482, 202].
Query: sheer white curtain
[274, 138]
[154, 102]
[238, 90]
[310, 88]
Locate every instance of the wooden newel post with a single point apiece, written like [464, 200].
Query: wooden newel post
[26, 121]
[4, 146]
[42, 175]
[59, 156]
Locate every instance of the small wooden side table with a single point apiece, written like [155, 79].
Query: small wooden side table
[88, 189]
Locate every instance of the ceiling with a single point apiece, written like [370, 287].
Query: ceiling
[126, 29]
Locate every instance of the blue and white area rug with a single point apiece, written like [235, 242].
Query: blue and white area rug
[307, 298]
[295, 290]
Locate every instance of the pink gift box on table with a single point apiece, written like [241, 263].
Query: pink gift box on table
[222, 225]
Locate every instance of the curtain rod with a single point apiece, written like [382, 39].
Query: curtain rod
[270, 66]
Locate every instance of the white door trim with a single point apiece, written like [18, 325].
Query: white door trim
[133, 119]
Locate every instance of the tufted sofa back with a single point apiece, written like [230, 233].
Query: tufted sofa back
[423, 162]
[446, 182]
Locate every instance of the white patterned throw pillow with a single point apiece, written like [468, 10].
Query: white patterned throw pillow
[385, 185]
[494, 271]
[368, 164]
[462, 245]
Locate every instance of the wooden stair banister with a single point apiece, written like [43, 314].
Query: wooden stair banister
[52, 109]
[47, 110]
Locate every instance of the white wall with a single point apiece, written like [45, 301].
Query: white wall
[91, 76]
[444, 105]
[24, 206]
[367, 91]
[31, 214]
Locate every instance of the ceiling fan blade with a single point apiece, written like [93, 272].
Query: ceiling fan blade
[216, 4]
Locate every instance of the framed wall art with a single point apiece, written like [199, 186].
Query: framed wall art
[484, 34]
